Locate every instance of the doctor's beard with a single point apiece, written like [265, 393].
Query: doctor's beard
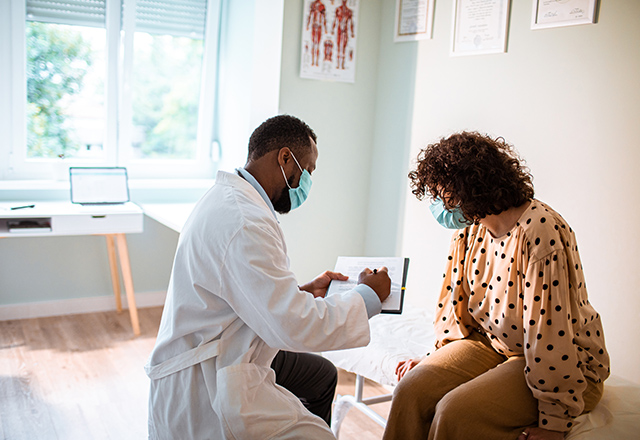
[282, 205]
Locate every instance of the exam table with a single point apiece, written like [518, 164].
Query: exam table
[399, 337]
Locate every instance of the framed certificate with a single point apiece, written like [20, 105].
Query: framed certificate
[557, 13]
[414, 19]
[479, 27]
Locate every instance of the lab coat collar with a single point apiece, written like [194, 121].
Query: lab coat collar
[252, 180]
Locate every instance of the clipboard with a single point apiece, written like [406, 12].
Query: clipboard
[352, 266]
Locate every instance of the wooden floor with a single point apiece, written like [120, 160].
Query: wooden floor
[82, 377]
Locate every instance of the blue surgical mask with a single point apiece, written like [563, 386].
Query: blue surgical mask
[450, 219]
[298, 195]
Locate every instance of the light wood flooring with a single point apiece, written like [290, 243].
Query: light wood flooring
[81, 377]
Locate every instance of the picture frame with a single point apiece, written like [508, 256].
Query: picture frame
[480, 27]
[559, 13]
[414, 20]
[329, 40]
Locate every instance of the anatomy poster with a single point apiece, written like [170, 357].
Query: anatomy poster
[329, 34]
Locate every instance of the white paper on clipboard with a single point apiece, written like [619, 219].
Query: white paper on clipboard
[352, 266]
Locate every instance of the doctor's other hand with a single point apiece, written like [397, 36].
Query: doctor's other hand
[378, 280]
[319, 285]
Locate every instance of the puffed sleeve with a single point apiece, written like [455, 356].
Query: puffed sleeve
[552, 366]
[452, 319]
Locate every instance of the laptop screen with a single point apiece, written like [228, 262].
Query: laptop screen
[98, 185]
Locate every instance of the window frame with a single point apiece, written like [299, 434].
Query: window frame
[118, 122]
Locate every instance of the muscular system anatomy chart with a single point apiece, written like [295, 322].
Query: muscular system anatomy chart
[329, 30]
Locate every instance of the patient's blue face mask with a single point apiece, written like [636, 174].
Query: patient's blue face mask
[450, 219]
[298, 195]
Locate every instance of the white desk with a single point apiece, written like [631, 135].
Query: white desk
[48, 219]
[172, 215]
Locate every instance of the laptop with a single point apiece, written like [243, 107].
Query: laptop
[99, 185]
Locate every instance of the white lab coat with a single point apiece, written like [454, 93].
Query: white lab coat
[232, 303]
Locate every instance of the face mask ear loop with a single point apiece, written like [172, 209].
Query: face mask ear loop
[285, 177]
[294, 158]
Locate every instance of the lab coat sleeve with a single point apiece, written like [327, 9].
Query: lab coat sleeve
[258, 285]
[371, 299]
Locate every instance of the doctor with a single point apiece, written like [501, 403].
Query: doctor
[233, 306]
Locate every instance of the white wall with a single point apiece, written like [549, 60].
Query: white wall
[363, 133]
[391, 138]
[569, 100]
[249, 76]
[332, 221]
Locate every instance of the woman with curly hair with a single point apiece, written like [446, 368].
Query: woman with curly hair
[520, 351]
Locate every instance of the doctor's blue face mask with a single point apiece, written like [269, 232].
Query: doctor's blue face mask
[298, 195]
[450, 219]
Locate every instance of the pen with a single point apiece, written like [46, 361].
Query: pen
[23, 207]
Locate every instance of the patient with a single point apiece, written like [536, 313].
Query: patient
[520, 351]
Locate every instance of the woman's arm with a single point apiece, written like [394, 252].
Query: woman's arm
[553, 367]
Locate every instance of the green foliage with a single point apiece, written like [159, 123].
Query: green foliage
[57, 61]
[166, 91]
[165, 85]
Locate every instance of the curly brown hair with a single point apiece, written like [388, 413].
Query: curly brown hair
[481, 175]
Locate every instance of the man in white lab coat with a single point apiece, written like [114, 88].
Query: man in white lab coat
[233, 306]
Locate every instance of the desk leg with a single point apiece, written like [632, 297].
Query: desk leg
[113, 265]
[125, 265]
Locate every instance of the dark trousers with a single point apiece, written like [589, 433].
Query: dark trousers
[311, 378]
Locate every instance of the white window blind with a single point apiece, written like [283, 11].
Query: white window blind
[185, 18]
[75, 12]
[181, 18]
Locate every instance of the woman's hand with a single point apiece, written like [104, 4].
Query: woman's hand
[318, 287]
[540, 434]
[405, 366]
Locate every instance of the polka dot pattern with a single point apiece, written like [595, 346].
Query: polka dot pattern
[526, 291]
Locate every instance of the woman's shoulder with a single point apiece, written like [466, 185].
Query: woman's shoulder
[544, 228]
[541, 216]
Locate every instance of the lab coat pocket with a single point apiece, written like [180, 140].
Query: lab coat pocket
[251, 405]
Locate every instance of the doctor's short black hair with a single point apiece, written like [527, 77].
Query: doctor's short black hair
[278, 132]
[481, 175]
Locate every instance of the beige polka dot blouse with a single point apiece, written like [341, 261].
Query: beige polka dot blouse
[526, 291]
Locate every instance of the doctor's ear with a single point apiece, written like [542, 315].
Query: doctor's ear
[284, 155]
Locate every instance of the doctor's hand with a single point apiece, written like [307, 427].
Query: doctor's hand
[378, 280]
[318, 287]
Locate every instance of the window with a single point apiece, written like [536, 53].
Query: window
[65, 112]
[112, 82]
[166, 87]
[167, 64]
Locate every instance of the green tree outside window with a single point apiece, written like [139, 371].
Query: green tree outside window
[57, 62]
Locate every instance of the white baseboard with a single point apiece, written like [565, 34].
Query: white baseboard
[76, 305]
